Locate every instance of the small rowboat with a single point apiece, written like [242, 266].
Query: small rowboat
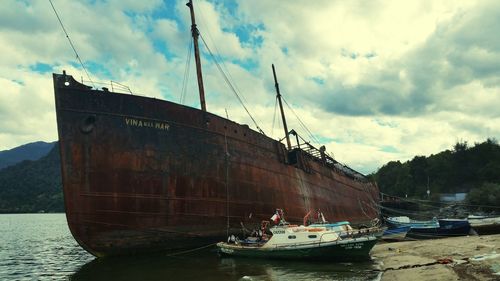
[431, 229]
[395, 234]
[484, 224]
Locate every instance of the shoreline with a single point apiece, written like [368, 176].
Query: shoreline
[454, 258]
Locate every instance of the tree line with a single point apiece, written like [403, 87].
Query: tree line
[470, 169]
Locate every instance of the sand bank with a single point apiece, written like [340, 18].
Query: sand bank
[457, 258]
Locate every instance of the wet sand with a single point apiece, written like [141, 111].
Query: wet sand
[457, 258]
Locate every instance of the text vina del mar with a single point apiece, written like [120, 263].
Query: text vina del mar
[147, 124]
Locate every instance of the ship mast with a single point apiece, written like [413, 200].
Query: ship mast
[195, 33]
[278, 96]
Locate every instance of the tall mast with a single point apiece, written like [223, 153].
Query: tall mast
[278, 95]
[195, 33]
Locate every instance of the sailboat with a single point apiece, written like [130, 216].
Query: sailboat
[143, 174]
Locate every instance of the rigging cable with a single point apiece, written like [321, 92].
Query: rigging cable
[71, 43]
[301, 123]
[226, 79]
[217, 52]
[186, 72]
[274, 115]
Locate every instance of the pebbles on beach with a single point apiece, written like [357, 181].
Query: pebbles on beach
[456, 258]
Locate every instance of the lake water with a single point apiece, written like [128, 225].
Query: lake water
[40, 247]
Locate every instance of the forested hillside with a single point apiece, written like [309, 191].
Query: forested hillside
[30, 151]
[462, 169]
[32, 186]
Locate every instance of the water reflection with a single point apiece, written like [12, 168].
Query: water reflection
[40, 247]
[207, 265]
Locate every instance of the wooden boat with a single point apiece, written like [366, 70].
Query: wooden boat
[484, 225]
[432, 228]
[331, 242]
[396, 234]
[395, 222]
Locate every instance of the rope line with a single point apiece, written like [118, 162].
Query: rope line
[301, 123]
[71, 43]
[274, 115]
[230, 85]
[191, 250]
[227, 77]
[186, 72]
[217, 52]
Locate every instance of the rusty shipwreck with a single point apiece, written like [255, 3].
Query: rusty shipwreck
[143, 174]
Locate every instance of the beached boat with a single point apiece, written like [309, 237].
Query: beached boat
[143, 174]
[484, 225]
[395, 234]
[431, 228]
[395, 222]
[447, 228]
[304, 242]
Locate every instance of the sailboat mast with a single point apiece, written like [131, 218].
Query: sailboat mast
[195, 33]
[278, 95]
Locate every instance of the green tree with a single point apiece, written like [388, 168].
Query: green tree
[461, 169]
[486, 197]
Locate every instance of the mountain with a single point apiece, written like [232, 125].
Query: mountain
[30, 151]
[32, 186]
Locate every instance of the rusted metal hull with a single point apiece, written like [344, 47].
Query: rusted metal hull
[142, 174]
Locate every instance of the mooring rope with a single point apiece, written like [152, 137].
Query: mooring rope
[71, 43]
[191, 250]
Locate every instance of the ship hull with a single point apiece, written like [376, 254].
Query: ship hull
[142, 174]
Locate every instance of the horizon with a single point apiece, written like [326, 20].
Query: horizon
[373, 81]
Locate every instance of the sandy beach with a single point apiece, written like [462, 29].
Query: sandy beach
[457, 258]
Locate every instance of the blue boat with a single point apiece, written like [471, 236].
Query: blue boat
[395, 222]
[396, 234]
[432, 228]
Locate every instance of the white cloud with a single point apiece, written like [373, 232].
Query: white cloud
[376, 81]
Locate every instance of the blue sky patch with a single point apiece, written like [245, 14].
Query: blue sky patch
[318, 80]
[248, 34]
[41, 67]
[323, 139]
[162, 48]
[97, 68]
[249, 64]
[389, 148]
[390, 124]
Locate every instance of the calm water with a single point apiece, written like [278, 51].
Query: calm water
[40, 247]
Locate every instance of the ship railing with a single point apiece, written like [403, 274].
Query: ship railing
[320, 155]
[115, 86]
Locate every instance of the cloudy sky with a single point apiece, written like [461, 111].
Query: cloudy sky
[374, 81]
